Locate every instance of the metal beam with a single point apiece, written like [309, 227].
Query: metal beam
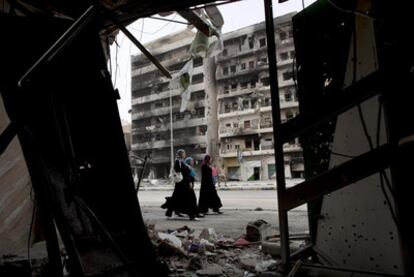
[195, 19]
[280, 167]
[142, 48]
[338, 177]
[336, 103]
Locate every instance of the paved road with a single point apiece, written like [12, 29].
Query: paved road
[238, 207]
[246, 199]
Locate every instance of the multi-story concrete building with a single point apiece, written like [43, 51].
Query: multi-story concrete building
[151, 104]
[230, 110]
[244, 102]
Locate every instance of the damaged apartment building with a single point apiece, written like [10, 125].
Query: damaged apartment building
[244, 102]
[151, 104]
[242, 145]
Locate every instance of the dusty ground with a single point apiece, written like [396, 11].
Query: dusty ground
[238, 207]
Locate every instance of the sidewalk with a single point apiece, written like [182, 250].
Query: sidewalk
[162, 185]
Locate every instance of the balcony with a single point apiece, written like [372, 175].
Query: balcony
[220, 76]
[163, 110]
[264, 150]
[239, 54]
[157, 144]
[165, 94]
[176, 125]
[136, 85]
[250, 111]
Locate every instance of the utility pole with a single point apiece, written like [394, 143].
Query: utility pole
[171, 136]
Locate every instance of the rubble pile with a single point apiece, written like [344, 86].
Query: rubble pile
[205, 253]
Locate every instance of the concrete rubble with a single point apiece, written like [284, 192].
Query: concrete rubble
[205, 253]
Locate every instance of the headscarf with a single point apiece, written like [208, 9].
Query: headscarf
[206, 160]
[179, 153]
[189, 161]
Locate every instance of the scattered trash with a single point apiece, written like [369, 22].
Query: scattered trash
[205, 253]
[241, 242]
[258, 230]
[211, 270]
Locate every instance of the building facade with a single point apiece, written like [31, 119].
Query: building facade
[244, 102]
[229, 114]
[151, 104]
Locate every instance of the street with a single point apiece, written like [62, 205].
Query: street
[239, 207]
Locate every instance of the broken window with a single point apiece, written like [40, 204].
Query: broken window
[248, 143]
[243, 85]
[284, 56]
[225, 70]
[289, 115]
[287, 75]
[197, 62]
[243, 66]
[265, 81]
[291, 33]
[225, 52]
[292, 54]
[282, 36]
[288, 96]
[251, 42]
[234, 86]
[251, 64]
[226, 89]
[262, 42]
[236, 125]
[237, 146]
[228, 125]
[247, 124]
[253, 84]
[233, 69]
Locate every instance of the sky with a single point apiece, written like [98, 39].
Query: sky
[236, 15]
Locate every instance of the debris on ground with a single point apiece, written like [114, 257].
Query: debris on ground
[205, 253]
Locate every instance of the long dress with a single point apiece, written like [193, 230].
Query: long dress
[208, 194]
[182, 199]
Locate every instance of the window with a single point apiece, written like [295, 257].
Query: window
[237, 146]
[225, 70]
[291, 33]
[228, 125]
[197, 79]
[158, 104]
[233, 69]
[284, 56]
[253, 84]
[288, 96]
[287, 75]
[228, 146]
[224, 52]
[282, 36]
[292, 54]
[234, 86]
[247, 124]
[262, 42]
[265, 81]
[251, 64]
[226, 89]
[243, 66]
[248, 143]
[262, 61]
[243, 85]
[197, 62]
[251, 42]
[236, 125]
[289, 115]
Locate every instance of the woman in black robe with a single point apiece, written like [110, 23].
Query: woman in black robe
[181, 201]
[208, 198]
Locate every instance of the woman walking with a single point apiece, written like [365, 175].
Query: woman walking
[182, 200]
[209, 198]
